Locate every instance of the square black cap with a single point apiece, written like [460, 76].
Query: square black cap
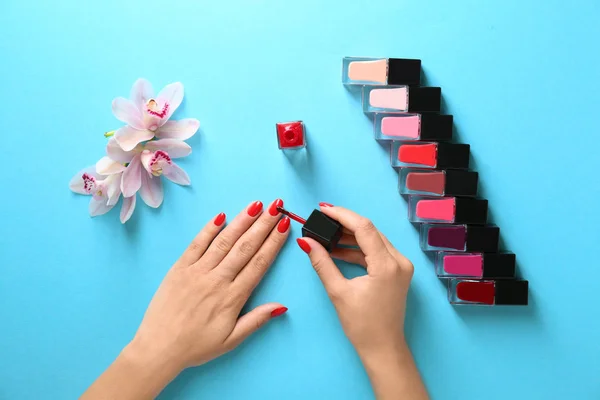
[461, 183]
[403, 71]
[511, 293]
[323, 229]
[436, 127]
[482, 238]
[499, 265]
[424, 99]
[470, 211]
[453, 156]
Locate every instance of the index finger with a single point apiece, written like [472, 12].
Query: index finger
[367, 236]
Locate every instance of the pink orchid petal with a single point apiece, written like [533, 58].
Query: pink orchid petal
[76, 183]
[176, 174]
[127, 112]
[182, 130]
[174, 147]
[116, 153]
[113, 190]
[146, 158]
[127, 208]
[132, 177]
[141, 92]
[107, 166]
[99, 207]
[128, 137]
[172, 94]
[152, 190]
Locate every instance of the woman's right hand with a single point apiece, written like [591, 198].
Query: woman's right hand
[372, 307]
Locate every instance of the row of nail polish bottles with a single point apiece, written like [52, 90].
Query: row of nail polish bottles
[434, 174]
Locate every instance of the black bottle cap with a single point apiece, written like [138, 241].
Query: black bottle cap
[511, 293]
[453, 156]
[461, 183]
[402, 71]
[499, 265]
[323, 229]
[436, 127]
[470, 211]
[424, 99]
[482, 239]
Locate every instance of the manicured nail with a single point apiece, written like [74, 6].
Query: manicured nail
[219, 219]
[273, 208]
[255, 208]
[325, 204]
[278, 311]
[303, 245]
[283, 225]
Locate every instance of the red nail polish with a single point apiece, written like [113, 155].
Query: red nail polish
[303, 245]
[255, 208]
[325, 204]
[283, 225]
[219, 219]
[278, 311]
[290, 135]
[273, 208]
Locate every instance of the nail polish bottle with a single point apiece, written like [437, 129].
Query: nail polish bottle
[412, 127]
[447, 210]
[450, 182]
[380, 71]
[449, 264]
[319, 227]
[488, 292]
[291, 135]
[432, 155]
[467, 238]
[401, 99]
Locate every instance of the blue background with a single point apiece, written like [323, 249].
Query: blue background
[521, 78]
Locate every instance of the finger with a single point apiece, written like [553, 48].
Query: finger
[367, 236]
[330, 275]
[252, 321]
[248, 244]
[223, 243]
[253, 272]
[352, 256]
[400, 258]
[348, 239]
[203, 239]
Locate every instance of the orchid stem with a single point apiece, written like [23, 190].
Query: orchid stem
[109, 134]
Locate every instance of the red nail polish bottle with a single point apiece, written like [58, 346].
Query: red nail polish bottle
[291, 135]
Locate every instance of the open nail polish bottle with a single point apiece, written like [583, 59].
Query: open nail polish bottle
[430, 155]
[450, 264]
[468, 238]
[380, 71]
[319, 227]
[488, 292]
[411, 127]
[399, 99]
[291, 135]
[450, 182]
[447, 210]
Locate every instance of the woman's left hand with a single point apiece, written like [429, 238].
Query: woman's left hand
[194, 316]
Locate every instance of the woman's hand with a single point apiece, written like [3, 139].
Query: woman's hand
[371, 308]
[194, 315]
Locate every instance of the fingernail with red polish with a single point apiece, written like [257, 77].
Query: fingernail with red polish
[278, 311]
[219, 219]
[273, 208]
[303, 245]
[325, 204]
[283, 225]
[255, 208]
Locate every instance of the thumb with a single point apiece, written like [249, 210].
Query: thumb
[250, 322]
[324, 266]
